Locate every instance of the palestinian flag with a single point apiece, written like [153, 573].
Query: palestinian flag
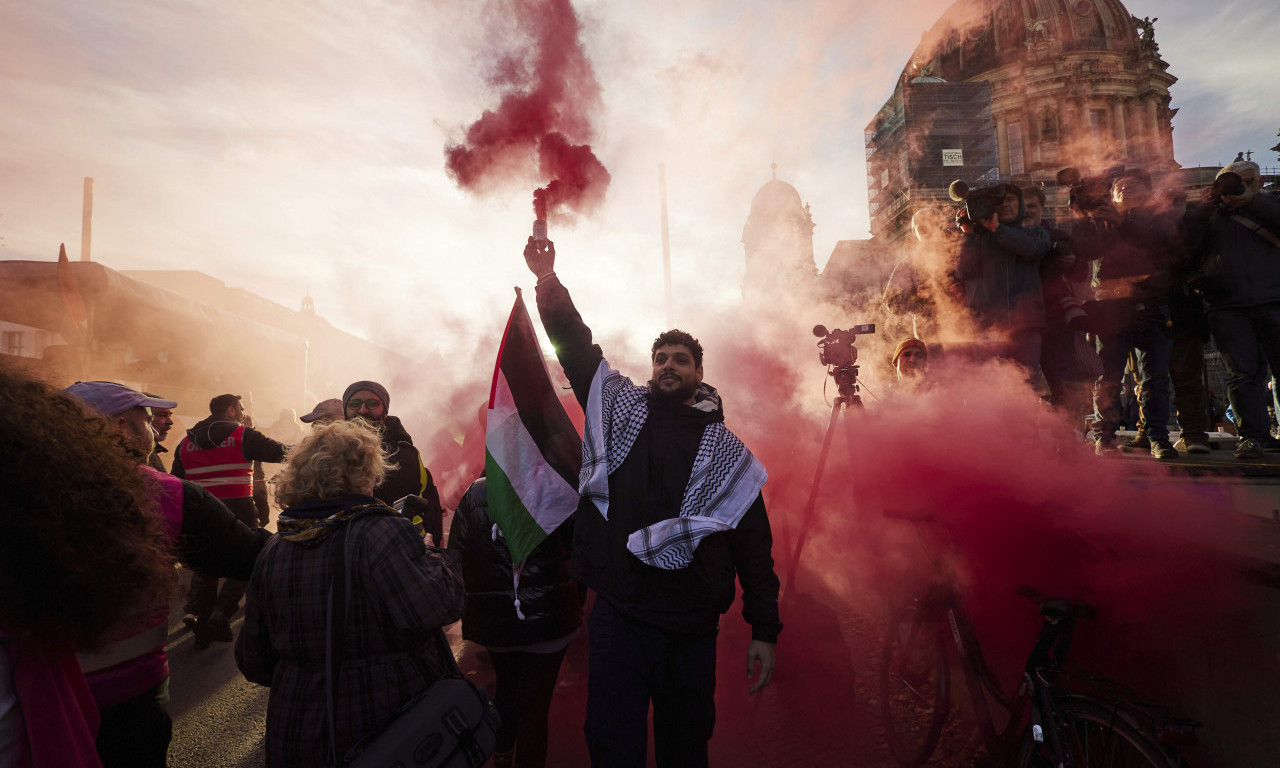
[532, 451]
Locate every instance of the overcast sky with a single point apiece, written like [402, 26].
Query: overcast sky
[298, 145]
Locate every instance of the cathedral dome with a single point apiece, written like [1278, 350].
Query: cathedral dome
[778, 240]
[775, 198]
[976, 36]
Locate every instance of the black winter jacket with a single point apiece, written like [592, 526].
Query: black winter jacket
[648, 488]
[1001, 273]
[212, 540]
[410, 477]
[549, 599]
[1143, 249]
[1240, 268]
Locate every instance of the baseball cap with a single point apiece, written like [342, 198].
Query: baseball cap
[331, 408]
[110, 398]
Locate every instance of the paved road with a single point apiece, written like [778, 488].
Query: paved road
[813, 714]
[219, 718]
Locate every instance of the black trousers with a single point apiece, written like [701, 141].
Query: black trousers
[633, 664]
[1190, 397]
[1249, 340]
[136, 733]
[525, 684]
[203, 596]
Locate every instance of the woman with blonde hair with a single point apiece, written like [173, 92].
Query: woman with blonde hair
[401, 593]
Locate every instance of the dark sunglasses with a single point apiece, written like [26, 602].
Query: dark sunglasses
[372, 402]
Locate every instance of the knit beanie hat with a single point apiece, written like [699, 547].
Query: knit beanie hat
[906, 344]
[373, 387]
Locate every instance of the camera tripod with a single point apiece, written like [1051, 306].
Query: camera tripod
[846, 377]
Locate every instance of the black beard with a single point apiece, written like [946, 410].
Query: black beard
[679, 395]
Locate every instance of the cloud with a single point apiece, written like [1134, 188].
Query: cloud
[1225, 65]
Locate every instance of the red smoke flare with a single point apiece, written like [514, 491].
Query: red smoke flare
[542, 123]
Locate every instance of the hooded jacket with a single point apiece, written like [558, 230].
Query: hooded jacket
[255, 446]
[214, 429]
[647, 488]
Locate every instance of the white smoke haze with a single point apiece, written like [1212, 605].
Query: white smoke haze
[300, 145]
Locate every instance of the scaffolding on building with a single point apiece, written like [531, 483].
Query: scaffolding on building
[928, 134]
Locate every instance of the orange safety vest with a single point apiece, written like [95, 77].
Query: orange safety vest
[222, 470]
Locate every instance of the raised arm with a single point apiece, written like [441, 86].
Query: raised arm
[569, 335]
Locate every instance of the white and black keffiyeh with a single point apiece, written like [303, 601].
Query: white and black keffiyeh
[724, 483]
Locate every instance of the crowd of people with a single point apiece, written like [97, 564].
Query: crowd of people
[345, 604]
[1137, 287]
[670, 513]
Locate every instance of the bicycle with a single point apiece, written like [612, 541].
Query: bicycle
[1056, 718]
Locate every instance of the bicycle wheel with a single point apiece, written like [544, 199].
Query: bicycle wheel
[915, 686]
[1097, 739]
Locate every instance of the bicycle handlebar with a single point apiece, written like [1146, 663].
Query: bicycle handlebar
[1053, 607]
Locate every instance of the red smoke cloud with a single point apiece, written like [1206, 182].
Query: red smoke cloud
[1018, 499]
[541, 126]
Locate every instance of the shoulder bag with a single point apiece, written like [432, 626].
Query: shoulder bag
[452, 724]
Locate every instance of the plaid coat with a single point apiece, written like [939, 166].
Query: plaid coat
[402, 593]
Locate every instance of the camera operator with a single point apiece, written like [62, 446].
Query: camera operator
[1235, 239]
[999, 266]
[1136, 248]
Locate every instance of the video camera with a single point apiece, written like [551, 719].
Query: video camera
[1090, 194]
[980, 203]
[836, 348]
[1227, 183]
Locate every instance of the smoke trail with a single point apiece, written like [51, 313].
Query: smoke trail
[540, 128]
[1018, 499]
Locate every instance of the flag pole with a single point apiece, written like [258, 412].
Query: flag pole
[666, 244]
[86, 220]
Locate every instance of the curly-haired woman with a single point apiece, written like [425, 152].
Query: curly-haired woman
[80, 544]
[402, 592]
